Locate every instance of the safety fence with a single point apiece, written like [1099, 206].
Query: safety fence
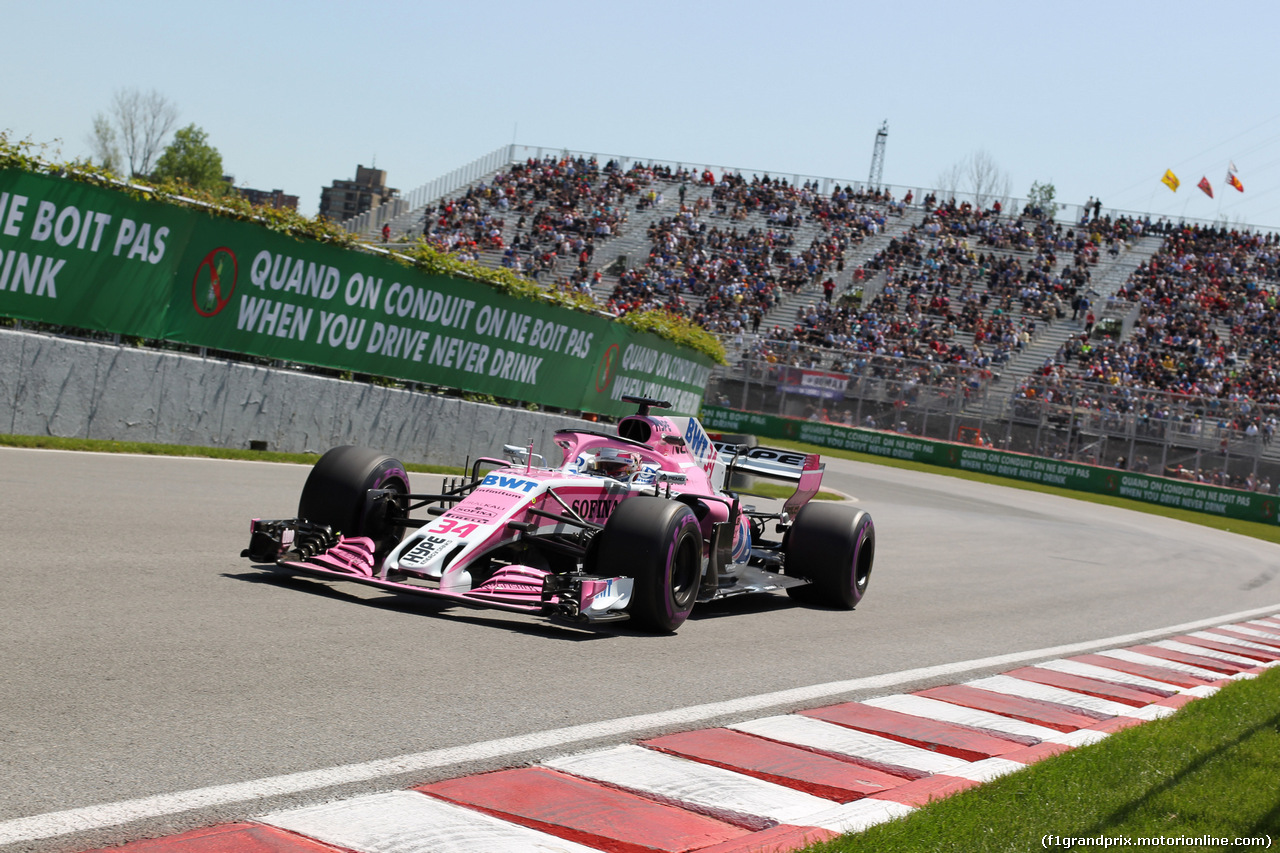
[1200, 497]
[1203, 440]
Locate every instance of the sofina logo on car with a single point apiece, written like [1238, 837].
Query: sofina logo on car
[597, 509]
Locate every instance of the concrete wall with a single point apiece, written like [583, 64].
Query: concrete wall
[59, 387]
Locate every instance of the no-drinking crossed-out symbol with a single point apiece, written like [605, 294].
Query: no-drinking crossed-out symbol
[604, 373]
[214, 282]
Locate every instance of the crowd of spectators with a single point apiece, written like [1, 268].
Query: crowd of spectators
[563, 210]
[966, 286]
[1202, 358]
[727, 260]
[782, 203]
[1206, 325]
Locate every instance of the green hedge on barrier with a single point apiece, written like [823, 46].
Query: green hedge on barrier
[1213, 500]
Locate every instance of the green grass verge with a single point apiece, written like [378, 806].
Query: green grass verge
[1209, 770]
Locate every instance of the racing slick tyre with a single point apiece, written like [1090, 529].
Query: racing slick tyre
[335, 494]
[658, 544]
[833, 546]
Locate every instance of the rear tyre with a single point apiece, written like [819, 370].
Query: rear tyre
[834, 547]
[658, 544]
[335, 494]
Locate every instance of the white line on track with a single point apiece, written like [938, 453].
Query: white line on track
[88, 818]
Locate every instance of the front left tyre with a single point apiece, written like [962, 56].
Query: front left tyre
[658, 544]
[336, 494]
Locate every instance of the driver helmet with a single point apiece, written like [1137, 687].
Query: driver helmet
[612, 462]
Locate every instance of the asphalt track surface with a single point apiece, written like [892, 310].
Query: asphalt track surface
[141, 657]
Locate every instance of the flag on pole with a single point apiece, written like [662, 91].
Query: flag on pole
[1234, 181]
[1170, 180]
[1206, 186]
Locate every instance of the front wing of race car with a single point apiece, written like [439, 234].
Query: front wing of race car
[295, 546]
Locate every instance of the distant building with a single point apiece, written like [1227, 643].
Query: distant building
[269, 198]
[346, 199]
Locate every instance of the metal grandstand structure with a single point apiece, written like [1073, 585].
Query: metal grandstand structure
[1002, 405]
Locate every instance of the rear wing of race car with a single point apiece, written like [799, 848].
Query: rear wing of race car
[721, 459]
[804, 469]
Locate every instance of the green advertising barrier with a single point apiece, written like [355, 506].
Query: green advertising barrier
[79, 255]
[1200, 497]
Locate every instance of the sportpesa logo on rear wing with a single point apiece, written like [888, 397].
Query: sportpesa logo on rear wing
[766, 461]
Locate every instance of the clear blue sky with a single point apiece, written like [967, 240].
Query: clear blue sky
[1097, 98]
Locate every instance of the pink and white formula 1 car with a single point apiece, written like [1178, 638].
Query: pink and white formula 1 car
[638, 525]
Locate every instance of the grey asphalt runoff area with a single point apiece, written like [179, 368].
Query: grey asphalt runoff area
[140, 655]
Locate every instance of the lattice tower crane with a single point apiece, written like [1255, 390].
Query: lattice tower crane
[877, 157]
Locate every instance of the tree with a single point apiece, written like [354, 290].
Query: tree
[104, 145]
[191, 159]
[1040, 197]
[979, 176]
[948, 182]
[986, 180]
[140, 122]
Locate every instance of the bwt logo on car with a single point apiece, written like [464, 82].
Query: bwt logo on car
[515, 484]
[699, 444]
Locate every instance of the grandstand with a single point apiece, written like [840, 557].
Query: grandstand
[966, 309]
